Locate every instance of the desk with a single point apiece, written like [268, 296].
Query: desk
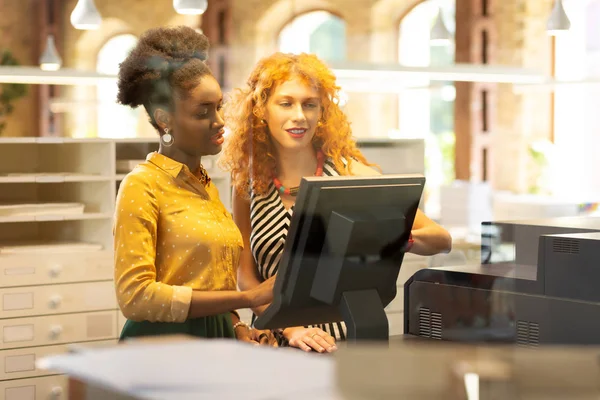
[410, 369]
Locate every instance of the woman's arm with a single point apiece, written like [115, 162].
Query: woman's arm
[140, 296]
[204, 303]
[429, 237]
[248, 276]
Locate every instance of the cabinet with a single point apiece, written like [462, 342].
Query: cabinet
[57, 198]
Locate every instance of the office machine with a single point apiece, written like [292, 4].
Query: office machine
[343, 253]
[537, 284]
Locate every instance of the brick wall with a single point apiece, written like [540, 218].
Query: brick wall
[81, 47]
[130, 16]
[521, 41]
[372, 35]
[520, 118]
[371, 25]
[17, 35]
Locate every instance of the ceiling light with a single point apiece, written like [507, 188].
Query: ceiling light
[190, 7]
[85, 15]
[440, 35]
[558, 21]
[50, 60]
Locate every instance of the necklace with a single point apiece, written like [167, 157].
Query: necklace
[294, 191]
[202, 175]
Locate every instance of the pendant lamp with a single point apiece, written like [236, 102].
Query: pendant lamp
[50, 60]
[558, 21]
[190, 7]
[85, 15]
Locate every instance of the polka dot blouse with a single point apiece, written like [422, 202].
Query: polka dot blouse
[172, 235]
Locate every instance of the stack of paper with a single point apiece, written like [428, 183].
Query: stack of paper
[202, 369]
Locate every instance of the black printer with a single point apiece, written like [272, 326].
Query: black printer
[538, 283]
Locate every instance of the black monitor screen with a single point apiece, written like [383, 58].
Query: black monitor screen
[346, 236]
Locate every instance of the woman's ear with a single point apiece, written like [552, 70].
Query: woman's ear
[162, 118]
[265, 116]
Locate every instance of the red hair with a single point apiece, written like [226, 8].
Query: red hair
[249, 154]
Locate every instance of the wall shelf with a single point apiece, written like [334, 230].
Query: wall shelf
[56, 268]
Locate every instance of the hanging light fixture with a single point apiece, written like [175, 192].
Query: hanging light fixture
[558, 21]
[50, 60]
[190, 7]
[440, 35]
[85, 15]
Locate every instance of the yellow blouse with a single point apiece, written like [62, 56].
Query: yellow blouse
[172, 235]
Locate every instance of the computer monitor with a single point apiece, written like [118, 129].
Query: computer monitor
[343, 253]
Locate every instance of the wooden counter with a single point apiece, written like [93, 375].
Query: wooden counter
[406, 368]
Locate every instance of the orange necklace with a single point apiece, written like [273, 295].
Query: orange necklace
[294, 191]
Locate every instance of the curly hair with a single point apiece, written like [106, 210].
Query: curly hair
[166, 61]
[249, 154]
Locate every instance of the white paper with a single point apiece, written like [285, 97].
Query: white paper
[202, 369]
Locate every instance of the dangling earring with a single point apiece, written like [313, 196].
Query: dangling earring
[166, 139]
[320, 123]
[264, 122]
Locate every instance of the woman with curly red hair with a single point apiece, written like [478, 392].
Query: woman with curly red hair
[286, 124]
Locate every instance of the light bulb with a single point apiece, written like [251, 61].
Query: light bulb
[85, 15]
[558, 21]
[50, 60]
[190, 7]
[440, 35]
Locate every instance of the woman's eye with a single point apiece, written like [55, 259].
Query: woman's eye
[311, 105]
[285, 104]
[203, 112]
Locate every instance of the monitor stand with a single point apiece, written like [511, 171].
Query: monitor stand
[352, 258]
[364, 316]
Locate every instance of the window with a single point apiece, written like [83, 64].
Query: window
[429, 113]
[114, 120]
[576, 116]
[318, 32]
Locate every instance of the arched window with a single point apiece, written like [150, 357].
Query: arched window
[318, 32]
[114, 120]
[428, 111]
[576, 116]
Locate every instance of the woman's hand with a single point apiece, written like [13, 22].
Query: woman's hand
[309, 339]
[264, 337]
[261, 294]
[244, 333]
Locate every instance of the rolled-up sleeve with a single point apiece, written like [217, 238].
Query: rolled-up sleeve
[140, 296]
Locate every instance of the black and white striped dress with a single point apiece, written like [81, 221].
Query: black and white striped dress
[270, 221]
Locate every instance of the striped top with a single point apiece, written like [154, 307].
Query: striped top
[270, 221]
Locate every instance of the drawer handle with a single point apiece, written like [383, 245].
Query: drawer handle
[55, 301]
[55, 271]
[55, 331]
[56, 392]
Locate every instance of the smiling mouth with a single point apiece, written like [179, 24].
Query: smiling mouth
[297, 132]
[218, 139]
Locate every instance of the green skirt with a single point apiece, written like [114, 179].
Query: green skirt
[214, 326]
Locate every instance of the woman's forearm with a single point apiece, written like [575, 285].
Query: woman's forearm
[431, 240]
[205, 303]
[259, 310]
[249, 281]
